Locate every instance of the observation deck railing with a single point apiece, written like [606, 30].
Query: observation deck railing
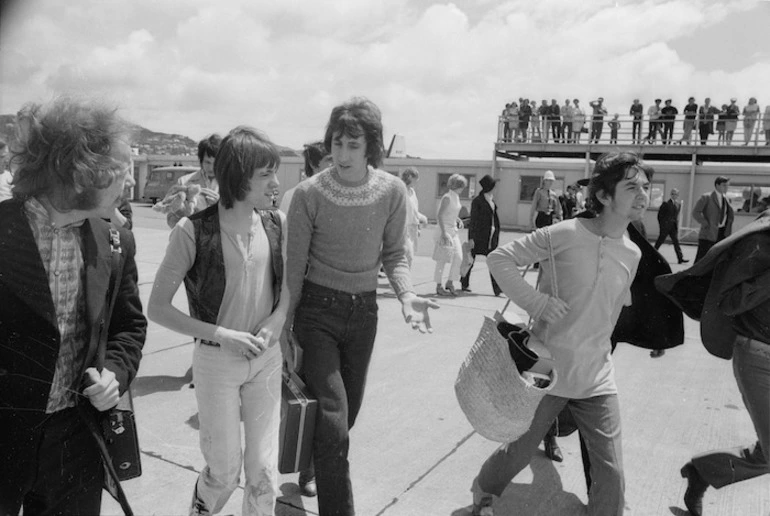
[539, 131]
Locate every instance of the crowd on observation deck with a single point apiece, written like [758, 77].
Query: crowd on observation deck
[526, 122]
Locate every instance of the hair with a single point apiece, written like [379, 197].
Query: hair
[455, 181]
[313, 154]
[358, 117]
[3, 145]
[410, 172]
[720, 180]
[209, 146]
[242, 151]
[610, 169]
[68, 150]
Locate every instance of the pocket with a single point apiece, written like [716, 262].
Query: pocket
[314, 301]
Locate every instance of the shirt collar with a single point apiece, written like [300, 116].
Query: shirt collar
[39, 215]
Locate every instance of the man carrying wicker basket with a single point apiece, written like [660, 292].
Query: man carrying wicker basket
[595, 263]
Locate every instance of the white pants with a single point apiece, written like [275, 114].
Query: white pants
[230, 388]
[457, 259]
[412, 235]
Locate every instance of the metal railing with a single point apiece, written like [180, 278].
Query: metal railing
[630, 131]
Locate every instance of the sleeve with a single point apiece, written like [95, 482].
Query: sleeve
[128, 325]
[300, 234]
[393, 243]
[697, 211]
[747, 278]
[180, 252]
[504, 263]
[473, 227]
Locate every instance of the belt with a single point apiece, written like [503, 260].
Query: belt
[209, 343]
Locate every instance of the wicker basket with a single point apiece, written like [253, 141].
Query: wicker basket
[497, 401]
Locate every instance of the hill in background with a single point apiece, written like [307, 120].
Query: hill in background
[147, 141]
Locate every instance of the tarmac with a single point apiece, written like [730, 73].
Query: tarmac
[412, 451]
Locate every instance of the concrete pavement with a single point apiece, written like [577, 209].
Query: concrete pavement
[412, 450]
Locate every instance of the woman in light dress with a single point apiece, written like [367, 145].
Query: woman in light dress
[578, 121]
[750, 117]
[448, 248]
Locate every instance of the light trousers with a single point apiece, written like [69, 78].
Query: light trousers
[454, 265]
[598, 419]
[231, 388]
[412, 235]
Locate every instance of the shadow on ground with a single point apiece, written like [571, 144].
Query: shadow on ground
[290, 502]
[545, 496]
[144, 385]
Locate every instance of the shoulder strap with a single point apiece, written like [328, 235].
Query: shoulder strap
[112, 294]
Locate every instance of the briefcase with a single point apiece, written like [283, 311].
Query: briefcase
[298, 413]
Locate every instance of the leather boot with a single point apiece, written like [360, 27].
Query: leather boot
[696, 488]
[552, 450]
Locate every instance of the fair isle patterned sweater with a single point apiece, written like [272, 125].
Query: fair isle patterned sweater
[340, 232]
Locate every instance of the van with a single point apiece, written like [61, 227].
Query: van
[160, 179]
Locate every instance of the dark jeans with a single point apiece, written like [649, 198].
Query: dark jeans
[465, 280]
[636, 131]
[673, 232]
[556, 130]
[654, 130]
[704, 130]
[336, 331]
[596, 130]
[52, 469]
[719, 468]
[668, 131]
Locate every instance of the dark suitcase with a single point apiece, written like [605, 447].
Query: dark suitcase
[298, 413]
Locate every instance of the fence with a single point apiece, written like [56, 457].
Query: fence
[715, 131]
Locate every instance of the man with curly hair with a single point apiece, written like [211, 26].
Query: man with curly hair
[59, 370]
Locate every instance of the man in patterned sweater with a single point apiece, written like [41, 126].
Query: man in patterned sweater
[344, 222]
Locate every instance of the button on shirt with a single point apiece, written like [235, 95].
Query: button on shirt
[594, 276]
[60, 252]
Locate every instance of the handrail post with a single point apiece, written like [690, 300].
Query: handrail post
[693, 166]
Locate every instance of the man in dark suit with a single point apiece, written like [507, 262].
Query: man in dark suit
[71, 164]
[715, 216]
[728, 291]
[668, 219]
[484, 228]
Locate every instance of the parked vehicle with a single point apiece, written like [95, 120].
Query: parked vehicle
[160, 179]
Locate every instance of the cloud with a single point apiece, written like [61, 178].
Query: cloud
[440, 71]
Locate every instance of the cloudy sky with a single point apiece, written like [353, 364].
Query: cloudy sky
[440, 71]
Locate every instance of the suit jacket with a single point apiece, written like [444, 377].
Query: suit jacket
[708, 213]
[696, 291]
[29, 335]
[480, 228]
[668, 214]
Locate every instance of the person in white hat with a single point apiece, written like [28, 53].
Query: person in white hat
[546, 208]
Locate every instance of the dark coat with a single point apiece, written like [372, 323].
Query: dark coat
[29, 335]
[696, 290]
[652, 321]
[668, 214]
[480, 226]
